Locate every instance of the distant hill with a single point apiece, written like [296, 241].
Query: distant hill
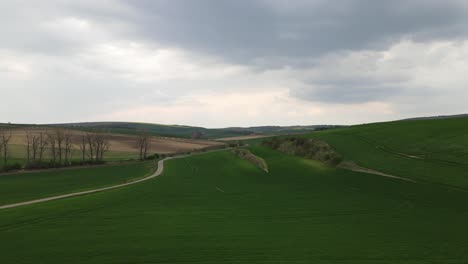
[190, 131]
[437, 117]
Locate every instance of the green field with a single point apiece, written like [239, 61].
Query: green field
[431, 151]
[34, 185]
[217, 208]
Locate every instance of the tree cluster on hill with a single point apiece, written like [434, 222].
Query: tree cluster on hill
[308, 148]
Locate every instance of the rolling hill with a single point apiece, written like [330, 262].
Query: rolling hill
[188, 131]
[218, 208]
[428, 150]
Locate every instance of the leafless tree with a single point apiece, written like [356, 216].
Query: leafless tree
[90, 141]
[59, 136]
[68, 146]
[5, 137]
[101, 145]
[28, 145]
[83, 147]
[52, 141]
[43, 143]
[146, 148]
[34, 146]
[143, 142]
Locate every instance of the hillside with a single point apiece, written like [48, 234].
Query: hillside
[428, 150]
[218, 208]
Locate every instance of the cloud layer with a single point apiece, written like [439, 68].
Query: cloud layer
[227, 63]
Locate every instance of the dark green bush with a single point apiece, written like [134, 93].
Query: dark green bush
[13, 166]
[303, 147]
[153, 157]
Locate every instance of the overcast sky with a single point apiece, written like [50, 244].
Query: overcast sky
[218, 63]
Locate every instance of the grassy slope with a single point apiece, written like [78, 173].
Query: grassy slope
[439, 147]
[29, 186]
[301, 212]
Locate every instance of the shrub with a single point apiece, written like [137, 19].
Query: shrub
[13, 166]
[247, 155]
[153, 157]
[308, 148]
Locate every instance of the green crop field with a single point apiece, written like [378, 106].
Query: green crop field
[34, 185]
[431, 151]
[217, 208]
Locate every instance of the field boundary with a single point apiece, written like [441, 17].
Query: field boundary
[158, 172]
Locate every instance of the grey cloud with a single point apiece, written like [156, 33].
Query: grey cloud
[243, 31]
[259, 34]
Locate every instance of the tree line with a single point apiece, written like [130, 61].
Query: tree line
[56, 147]
[60, 144]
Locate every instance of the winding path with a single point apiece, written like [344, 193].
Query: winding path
[158, 172]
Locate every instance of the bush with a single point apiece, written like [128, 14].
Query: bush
[153, 157]
[308, 148]
[13, 166]
[247, 155]
[51, 164]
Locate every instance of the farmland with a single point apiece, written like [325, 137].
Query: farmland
[20, 187]
[293, 215]
[121, 146]
[234, 132]
[218, 208]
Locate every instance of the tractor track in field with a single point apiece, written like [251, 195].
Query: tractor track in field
[158, 172]
[354, 167]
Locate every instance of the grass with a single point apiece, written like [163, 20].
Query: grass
[35, 185]
[431, 151]
[217, 208]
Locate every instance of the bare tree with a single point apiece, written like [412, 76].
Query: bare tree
[68, 146]
[83, 147]
[146, 148]
[90, 141]
[101, 145]
[143, 144]
[34, 146]
[28, 146]
[52, 141]
[59, 136]
[43, 143]
[5, 137]
[105, 145]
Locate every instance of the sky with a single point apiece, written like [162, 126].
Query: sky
[220, 63]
